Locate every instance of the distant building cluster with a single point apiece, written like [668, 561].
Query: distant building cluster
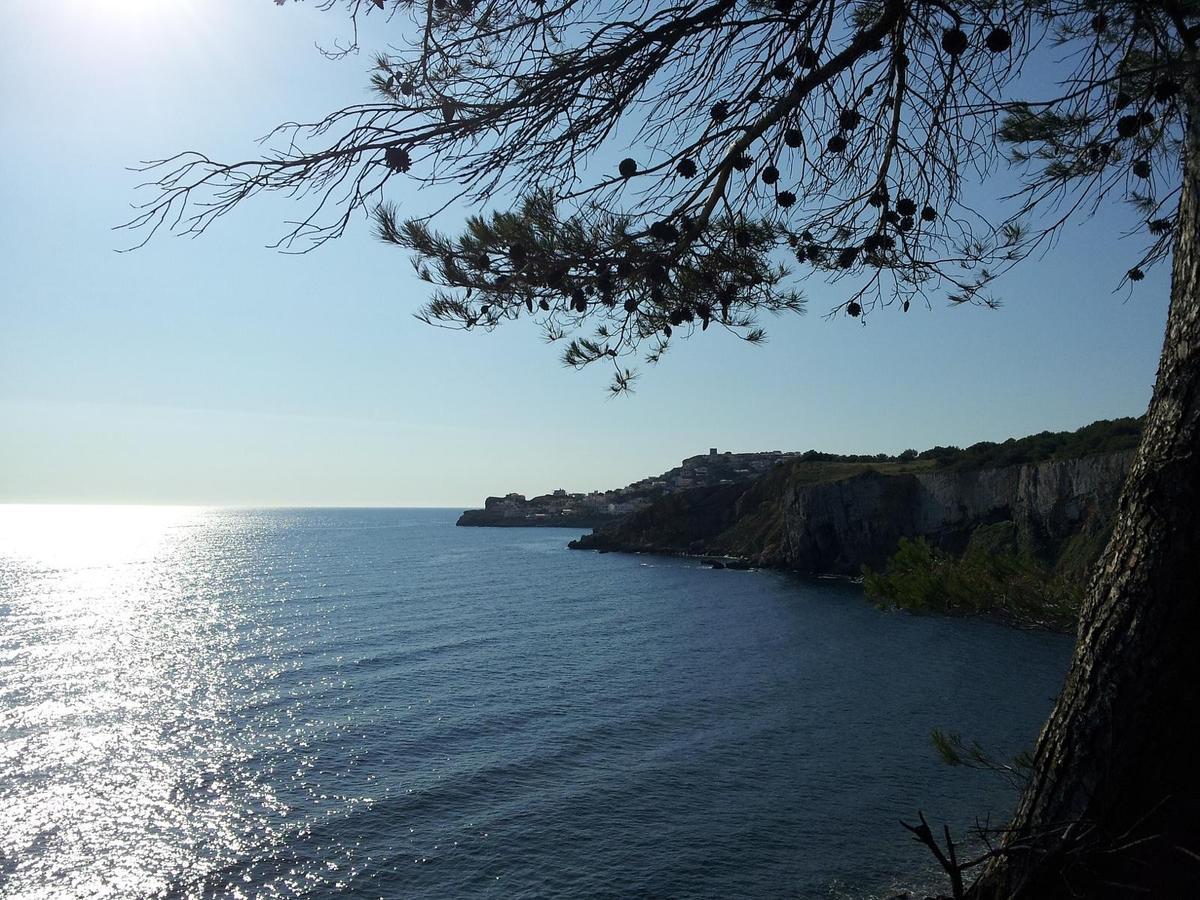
[564, 504]
[704, 470]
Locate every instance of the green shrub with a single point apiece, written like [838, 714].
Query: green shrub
[1015, 586]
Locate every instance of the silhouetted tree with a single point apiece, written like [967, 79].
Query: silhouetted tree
[680, 165]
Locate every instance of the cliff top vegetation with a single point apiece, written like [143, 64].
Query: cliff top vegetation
[1103, 436]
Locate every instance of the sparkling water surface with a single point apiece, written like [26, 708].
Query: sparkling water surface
[312, 703]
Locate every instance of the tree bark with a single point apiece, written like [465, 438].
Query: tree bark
[1113, 806]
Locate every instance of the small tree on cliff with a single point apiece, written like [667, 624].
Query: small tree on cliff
[774, 140]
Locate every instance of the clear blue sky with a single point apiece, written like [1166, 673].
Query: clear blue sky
[216, 371]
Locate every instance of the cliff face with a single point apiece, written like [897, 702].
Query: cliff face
[1057, 510]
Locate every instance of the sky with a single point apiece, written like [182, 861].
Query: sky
[217, 371]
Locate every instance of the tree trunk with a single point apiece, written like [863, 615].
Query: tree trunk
[1113, 807]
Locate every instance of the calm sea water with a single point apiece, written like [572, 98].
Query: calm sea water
[230, 703]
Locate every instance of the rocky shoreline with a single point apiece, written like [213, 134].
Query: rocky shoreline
[1056, 510]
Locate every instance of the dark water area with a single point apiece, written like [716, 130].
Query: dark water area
[287, 703]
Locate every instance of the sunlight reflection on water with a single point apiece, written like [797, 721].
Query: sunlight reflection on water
[306, 703]
[115, 667]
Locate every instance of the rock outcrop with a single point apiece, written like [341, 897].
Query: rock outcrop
[557, 510]
[486, 518]
[1058, 510]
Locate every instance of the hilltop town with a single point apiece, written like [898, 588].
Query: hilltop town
[564, 509]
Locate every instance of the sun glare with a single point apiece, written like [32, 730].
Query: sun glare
[85, 536]
[114, 20]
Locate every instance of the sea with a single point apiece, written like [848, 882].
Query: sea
[242, 703]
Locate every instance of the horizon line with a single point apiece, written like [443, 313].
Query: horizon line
[171, 505]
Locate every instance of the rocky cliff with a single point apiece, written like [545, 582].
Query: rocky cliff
[1058, 510]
